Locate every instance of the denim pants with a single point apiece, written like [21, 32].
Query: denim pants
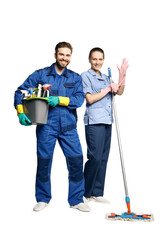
[98, 138]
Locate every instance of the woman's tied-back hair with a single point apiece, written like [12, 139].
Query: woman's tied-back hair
[96, 49]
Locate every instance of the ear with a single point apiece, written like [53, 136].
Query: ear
[55, 55]
[89, 60]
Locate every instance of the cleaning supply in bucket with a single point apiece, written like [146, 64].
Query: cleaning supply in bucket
[46, 88]
[39, 90]
[35, 105]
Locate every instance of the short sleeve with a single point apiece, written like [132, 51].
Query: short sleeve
[87, 86]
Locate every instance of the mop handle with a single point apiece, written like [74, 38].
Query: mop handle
[119, 138]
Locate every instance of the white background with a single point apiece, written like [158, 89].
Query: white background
[29, 32]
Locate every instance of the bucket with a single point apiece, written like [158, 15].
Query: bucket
[36, 110]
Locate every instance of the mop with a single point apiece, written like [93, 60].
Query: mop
[129, 215]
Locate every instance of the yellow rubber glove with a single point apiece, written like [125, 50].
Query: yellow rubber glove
[64, 101]
[19, 109]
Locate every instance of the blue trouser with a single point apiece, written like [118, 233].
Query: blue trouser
[71, 147]
[98, 138]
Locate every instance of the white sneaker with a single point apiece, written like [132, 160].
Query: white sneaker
[99, 199]
[82, 207]
[86, 200]
[40, 206]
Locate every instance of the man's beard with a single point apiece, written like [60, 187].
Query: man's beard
[60, 67]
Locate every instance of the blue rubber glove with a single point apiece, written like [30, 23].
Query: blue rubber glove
[24, 120]
[53, 101]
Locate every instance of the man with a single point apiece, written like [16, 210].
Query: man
[66, 94]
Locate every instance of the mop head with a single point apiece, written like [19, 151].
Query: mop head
[130, 217]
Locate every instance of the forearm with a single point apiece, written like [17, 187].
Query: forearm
[122, 72]
[120, 90]
[19, 109]
[91, 98]
[76, 101]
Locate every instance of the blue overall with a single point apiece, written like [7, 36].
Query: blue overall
[61, 126]
[98, 121]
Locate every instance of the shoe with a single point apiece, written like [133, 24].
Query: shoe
[82, 207]
[86, 200]
[40, 206]
[99, 199]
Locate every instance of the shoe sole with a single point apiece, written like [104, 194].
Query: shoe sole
[80, 209]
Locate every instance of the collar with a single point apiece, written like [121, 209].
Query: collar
[96, 75]
[52, 71]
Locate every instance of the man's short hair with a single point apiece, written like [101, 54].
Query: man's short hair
[96, 49]
[63, 45]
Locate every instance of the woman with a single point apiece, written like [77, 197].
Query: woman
[98, 121]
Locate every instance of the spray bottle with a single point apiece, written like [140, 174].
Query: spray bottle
[46, 88]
